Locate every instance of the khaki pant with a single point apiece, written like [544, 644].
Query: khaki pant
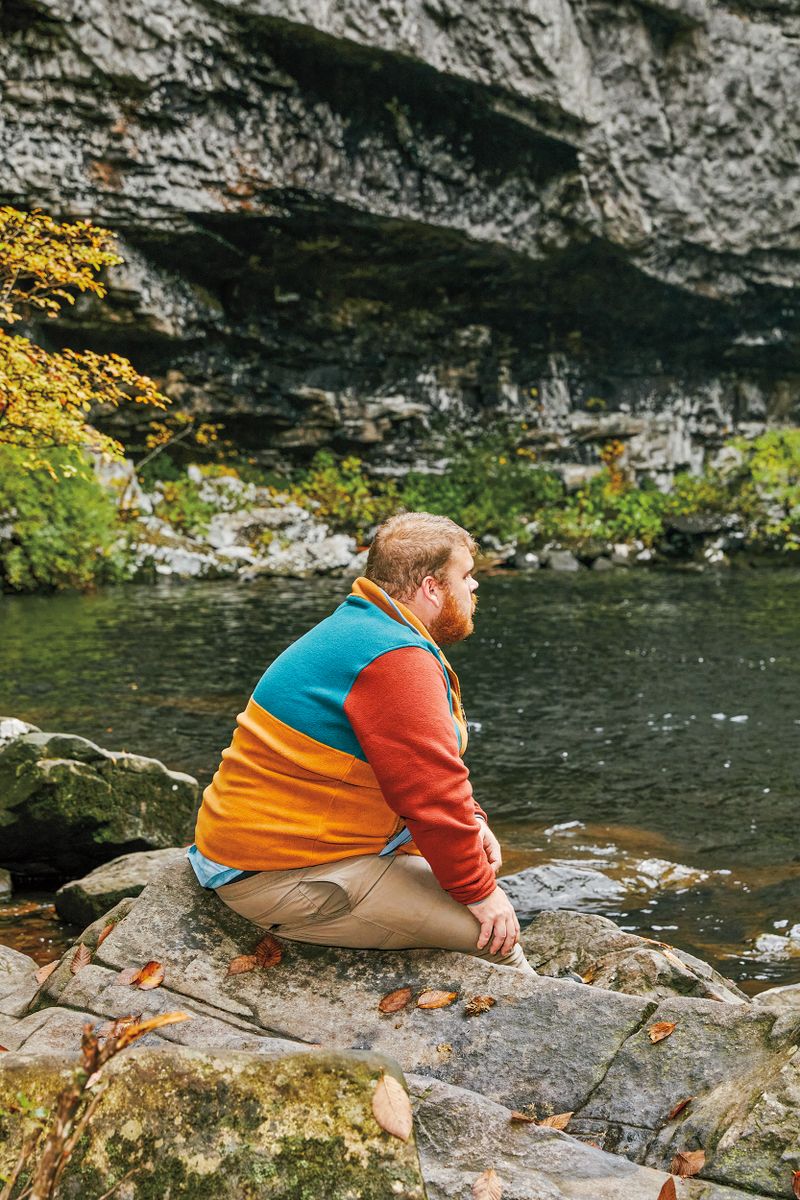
[367, 902]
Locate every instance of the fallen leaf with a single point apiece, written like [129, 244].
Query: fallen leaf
[559, 1121]
[487, 1186]
[655, 942]
[674, 961]
[668, 1190]
[150, 976]
[392, 1002]
[139, 1028]
[436, 999]
[4, 1050]
[80, 959]
[796, 1184]
[687, 1163]
[478, 1004]
[127, 975]
[521, 1116]
[46, 971]
[392, 1107]
[661, 1030]
[679, 1107]
[114, 1028]
[104, 934]
[245, 962]
[268, 952]
[589, 975]
[443, 1047]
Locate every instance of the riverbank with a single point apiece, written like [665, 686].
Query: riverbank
[231, 519]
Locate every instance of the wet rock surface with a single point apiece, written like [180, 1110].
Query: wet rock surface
[547, 1045]
[352, 225]
[66, 804]
[82, 901]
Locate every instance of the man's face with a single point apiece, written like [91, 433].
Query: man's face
[454, 620]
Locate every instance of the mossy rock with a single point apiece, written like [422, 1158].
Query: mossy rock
[227, 1126]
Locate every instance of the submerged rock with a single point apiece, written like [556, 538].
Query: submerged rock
[561, 884]
[66, 804]
[547, 1045]
[84, 900]
[220, 1125]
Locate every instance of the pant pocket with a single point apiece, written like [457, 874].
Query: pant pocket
[327, 900]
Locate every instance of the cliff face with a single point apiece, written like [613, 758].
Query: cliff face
[360, 223]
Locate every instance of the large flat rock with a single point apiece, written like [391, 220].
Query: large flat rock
[547, 1045]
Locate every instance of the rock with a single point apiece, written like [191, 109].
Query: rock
[225, 1125]
[66, 804]
[785, 999]
[538, 888]
[526, 560]
[6, 886]
[84, 900]
[555, 1044]
[11, 729]
[18, 983]
[603, 564]
[562, 560]
[594, 947]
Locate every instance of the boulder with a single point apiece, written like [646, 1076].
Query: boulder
[18, 983]
[84, 900]
[11, 728]
[6, 886]
[546, 1045]
[67, 805]
[537, 888]
[606, 956]
[214, 1124]
[562, 560]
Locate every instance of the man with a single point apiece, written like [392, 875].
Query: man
[342, 813]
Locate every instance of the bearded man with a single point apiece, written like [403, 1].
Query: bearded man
[342, 812]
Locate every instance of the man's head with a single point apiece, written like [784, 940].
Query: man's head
[426, 562]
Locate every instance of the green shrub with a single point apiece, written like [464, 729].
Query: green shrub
[344, 495]
[183, 507]
[767, 485]
[57, 532]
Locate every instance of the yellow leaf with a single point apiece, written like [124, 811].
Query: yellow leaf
[392, 1107]
[487, 1186]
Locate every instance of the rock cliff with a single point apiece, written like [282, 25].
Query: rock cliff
[363, 224]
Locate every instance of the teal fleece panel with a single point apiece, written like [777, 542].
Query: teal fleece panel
[307, 685]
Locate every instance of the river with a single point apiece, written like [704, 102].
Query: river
[625, 720]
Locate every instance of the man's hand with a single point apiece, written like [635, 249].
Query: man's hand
[492, 847]
[499, 924]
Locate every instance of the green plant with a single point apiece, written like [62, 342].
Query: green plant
[343, 495]
[183, 506]
[59, 530]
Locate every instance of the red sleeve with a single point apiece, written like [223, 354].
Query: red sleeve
[400, 714]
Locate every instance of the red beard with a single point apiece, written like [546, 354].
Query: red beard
[452, 624]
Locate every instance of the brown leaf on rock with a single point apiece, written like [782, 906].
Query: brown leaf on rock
[523, 1117]
[46, 971]
[392, 1002]
[114, 1028]
[589, 976]
[127, 975]
[80, 959]
[796, 1184]
[679, 1107]
[150, 976]
[433, 998]
[104, 934]
[238, 966]
[478, 1004]
[656, 942]
[487, 1186]
[687, 1163]
[139, 1028]
[668, 1190]
[661, 1030]
[559, 1121]
[268, 952]
[4, 1050]
[392, 1107]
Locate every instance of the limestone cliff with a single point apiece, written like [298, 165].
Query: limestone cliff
[362, 223]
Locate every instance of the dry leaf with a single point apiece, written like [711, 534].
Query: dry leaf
[46, 971]
[245, 962]
[4, 1050]
[661, 1030]
[443, 1047]
[559, 1121]
[655, 942]
[487, 1186]
[589, 976]
[479, 1004]
[104, 934]
[150, 976]
[137, 1030]
[127, 975]
[80, 959]
[796, 1184]
[687, 1163]
[268, 952]
[436, 999]
[521, 1116]
[674, 961]
[679, 1107]
[392, 1107]
[392, 1002]
[668, 1190]
[114, 1028]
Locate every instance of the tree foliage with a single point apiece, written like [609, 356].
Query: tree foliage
[46, 397]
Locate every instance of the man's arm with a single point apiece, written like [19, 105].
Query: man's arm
[399, 712]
